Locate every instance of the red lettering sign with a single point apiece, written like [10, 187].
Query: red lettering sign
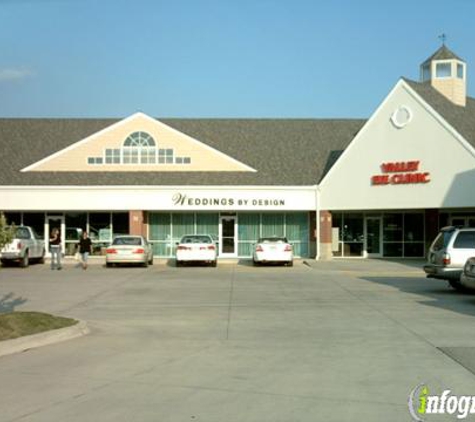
[401, 173]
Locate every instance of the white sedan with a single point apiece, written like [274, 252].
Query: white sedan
[196, 248]
[273, 249]
[129, 249]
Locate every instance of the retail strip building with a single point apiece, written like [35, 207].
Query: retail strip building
[334, 188]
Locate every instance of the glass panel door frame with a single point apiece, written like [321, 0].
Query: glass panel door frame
[62, 231]
[222, 238]
[367, 234]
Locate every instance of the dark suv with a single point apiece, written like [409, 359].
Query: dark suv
[449, 253]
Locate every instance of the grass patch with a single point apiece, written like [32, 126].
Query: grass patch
[19, 324]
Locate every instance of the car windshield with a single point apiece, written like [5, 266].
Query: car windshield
[196, 239]
[129, 241]
[272, 240]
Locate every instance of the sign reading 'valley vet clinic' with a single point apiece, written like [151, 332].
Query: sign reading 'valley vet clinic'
[401, 173]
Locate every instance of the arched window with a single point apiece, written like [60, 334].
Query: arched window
[139, 139]
[139, 147]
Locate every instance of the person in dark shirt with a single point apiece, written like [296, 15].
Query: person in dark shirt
[55, 249]
[85, 248]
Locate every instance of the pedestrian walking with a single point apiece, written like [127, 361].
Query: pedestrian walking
[55, 249]
[85, 248]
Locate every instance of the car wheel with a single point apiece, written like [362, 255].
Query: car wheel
[5, 262]
[214, 263]
[290, 263]
[151, 260]
[42, 258]
[108, 265]
[145, 264]
[255, 263]
[178, 263]
[25, 261]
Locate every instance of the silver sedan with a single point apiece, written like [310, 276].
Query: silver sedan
[129, 249]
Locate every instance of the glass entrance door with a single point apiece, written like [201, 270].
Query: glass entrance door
[55, 222]
[373, 243]
[228, 241]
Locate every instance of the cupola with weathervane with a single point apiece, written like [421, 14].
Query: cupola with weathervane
[446, 72]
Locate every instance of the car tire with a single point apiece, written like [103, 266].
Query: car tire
[178, 263]
[25, 261]
[5, 262]
[41, 260]
[255, 263]
[214, 263]
[151, 261]
[145, 264]
[290, 263]
[108, 265]
[455, 284]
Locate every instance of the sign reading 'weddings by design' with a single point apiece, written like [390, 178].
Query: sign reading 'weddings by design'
[185, 200]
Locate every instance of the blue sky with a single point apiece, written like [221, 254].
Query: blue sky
[211, 58]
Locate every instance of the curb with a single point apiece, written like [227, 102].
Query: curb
[8, 347]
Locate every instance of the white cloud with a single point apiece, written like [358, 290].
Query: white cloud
[14, 74]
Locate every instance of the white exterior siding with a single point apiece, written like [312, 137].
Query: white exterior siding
[123, 198]
[441, 152]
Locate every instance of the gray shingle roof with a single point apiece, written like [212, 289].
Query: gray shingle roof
[285, 152]
[443, 53]
[460, 118]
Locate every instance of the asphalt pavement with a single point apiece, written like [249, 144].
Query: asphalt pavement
[322, 341]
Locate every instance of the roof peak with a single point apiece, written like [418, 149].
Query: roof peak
[443, 53]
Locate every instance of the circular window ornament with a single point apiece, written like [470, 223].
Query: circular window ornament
[401, 117]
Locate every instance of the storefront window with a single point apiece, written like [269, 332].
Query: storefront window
[160, 233]
[392, 228]
[349, 231]
[76, 223]
[100, 231]
[392, 235]
[337, 233]
[13, 218]
[248, 234]
[165, 229]
[120, 223]
[273, 225]
[297, 232]
[413, 235]
[352, 234]
[182, 223]
[207, 224]
[35, 220]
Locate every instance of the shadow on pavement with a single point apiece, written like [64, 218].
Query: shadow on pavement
[8, 303]
[438, 292]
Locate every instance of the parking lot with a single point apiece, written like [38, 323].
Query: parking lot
[322, 341]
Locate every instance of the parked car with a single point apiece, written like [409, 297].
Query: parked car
[129, 249]
[197, 248]
[273, 249]
[26, 246]
[467, 279]
[448, 254]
